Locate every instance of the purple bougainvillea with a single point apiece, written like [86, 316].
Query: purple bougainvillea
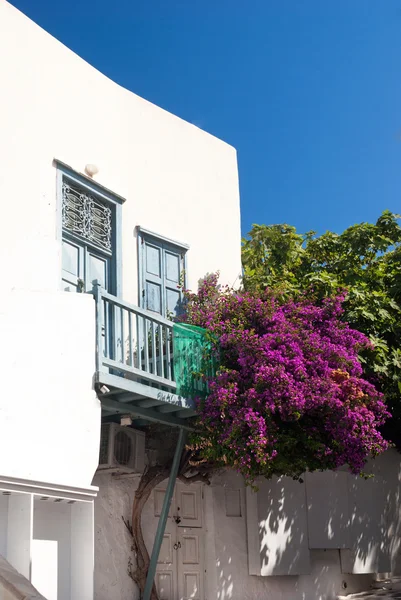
[289, 395]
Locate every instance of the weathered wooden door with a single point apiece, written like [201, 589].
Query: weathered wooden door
[180, 569]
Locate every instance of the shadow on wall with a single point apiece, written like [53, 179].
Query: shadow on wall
[309, 541]
[374, 519]
[282, 524]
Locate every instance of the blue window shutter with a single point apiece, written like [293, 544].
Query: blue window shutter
[153, 274]
[173, 265]
[162, 264]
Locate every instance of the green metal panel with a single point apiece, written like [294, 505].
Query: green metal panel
[192, 356]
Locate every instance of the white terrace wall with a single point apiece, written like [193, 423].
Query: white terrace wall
[49, 414]
[313, 541]
[331, 533]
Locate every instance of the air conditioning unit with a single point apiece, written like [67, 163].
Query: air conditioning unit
[122, 449]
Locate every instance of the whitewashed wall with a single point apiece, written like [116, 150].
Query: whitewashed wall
[288, 536]
[51, 550]
[46, 534]
[112, 540]
[49, 413]
[178, 181]
[283, 549]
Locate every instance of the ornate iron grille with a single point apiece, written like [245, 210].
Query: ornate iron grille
[86, 216]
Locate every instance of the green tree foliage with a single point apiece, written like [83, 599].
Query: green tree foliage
[365, 260]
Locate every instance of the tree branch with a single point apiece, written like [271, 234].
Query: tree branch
[195, 479]
[128, 526]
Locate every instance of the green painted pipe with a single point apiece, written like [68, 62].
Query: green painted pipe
[161, 527]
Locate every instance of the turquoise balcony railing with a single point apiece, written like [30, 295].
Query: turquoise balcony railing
[135, 363]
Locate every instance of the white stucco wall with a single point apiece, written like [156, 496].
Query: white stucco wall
[47, 536]
[226, 547]
[49, 413]
[178, 181]
[112, 540]
[323, 580]
[52, 539]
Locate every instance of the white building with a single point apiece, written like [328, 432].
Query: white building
[99, 184]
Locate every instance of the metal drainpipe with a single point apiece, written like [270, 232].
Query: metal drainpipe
[163, 515]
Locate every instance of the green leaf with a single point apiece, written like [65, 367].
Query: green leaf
[365, 260]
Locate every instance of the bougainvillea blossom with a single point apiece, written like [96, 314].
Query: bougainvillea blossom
[289, 395]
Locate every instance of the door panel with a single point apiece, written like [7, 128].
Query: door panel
[190, 564]
[153, 297]
[191, 587]
[165, 585]
[172, 267]
[190, 549]
[158, 498]
[153, 285]
[97, 267]
[173, 301]
[173, 264]
[71, 258]
[153, 260]
[72, 265]
[188, 499]
[166, 569]
[166, 550]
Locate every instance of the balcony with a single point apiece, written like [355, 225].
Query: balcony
[135, 364]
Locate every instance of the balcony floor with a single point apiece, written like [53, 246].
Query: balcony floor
[123, 396]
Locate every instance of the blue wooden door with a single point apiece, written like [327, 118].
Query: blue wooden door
[81, 265]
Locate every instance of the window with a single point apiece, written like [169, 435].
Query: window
[162, 264]
[90, 224]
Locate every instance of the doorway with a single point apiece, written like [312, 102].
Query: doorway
[180, 569]
[89, 241]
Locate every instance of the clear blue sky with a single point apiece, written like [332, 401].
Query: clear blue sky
[308, 91]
